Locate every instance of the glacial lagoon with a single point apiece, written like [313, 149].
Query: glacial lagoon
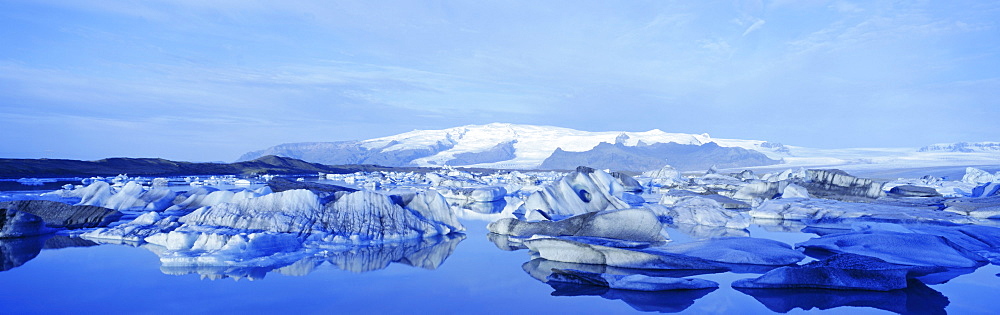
[467, 272]
[476, 278]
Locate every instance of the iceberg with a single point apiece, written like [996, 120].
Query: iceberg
[983, 208]
[977, 176]
[838, 272]
[666, 176]
[584, 190]
[350, 218]
[703, 211]
[135, 231]
[824, 209]
[912, 249]
[737, 250]
[61, 215]
[582, 253]
[624, 224]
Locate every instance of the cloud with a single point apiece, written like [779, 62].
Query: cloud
[753, 27]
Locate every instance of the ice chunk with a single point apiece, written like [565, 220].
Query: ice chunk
[629, 282]
[704, 211]
[986, 190]
[914, 191]
[899, 248]
[135, 231]
[290, 211]
[584, 190]
[126, 198]
[61, 215]
[820, 209]
[737, 250]
[978, 176]
[94, 194]
[666, 176]
[624, 224]
[577, 252]
[362, 216]
[985, 208]
[794, 191]
[839, 272]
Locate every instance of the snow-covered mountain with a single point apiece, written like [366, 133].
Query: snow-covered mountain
[498, 145]
[512, 146]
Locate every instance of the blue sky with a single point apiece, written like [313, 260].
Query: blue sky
[210, 80]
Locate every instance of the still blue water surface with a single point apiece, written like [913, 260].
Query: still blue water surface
[477, 278]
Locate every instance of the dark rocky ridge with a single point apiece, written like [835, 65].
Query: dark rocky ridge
[17, 168]
[645, 157]
[500, 152]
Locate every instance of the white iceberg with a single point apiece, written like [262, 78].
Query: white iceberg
[703, 211]
[584, 190]
[625, 224]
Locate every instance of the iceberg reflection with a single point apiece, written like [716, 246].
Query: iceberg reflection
[672, 301]
[427, 253]
[917, 298]
[15, 252]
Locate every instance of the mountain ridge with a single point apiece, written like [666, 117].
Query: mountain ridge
[270, 164]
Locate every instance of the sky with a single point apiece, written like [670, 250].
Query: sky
[209, 80]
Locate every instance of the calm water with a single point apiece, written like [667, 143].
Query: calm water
[476, 278]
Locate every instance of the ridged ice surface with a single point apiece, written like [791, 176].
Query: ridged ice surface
[584, 190]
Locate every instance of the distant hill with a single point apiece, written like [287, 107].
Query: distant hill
[17, 168]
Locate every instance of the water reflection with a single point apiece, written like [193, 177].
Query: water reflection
[661, 301]
[672, 301]
[15, 252]
[427, 253]
[703, 232]
[540, 269]
[917, 298]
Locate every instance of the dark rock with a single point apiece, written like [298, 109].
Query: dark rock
[500, 152]
[914, 191]
[61, 215]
